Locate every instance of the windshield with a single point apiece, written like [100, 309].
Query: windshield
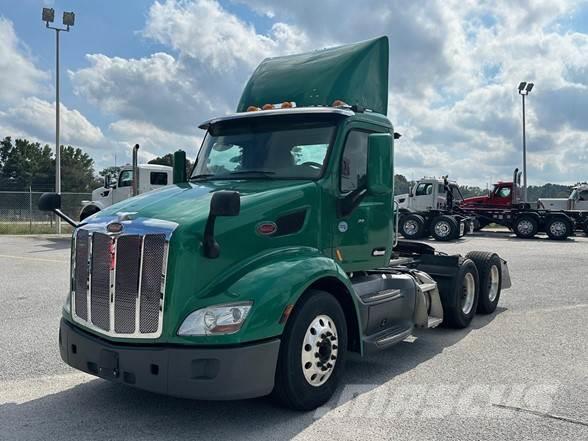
[265, 149]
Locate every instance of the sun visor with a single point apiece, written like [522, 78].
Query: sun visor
[356, 74]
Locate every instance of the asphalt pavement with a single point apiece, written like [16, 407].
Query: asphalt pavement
[521, 373]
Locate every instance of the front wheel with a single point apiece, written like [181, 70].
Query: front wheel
[412, 226]
[312, 352]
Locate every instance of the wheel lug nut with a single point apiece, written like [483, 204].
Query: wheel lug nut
[333, 357]
[316, 354]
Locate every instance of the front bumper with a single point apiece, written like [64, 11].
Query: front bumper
[199, 373]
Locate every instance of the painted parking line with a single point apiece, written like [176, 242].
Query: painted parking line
[39, 259]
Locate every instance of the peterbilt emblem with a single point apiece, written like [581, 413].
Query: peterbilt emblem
[114, 227]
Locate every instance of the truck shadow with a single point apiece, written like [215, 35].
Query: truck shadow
[99, 409]
[52, 244]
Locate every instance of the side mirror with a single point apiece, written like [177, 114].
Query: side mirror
[49, 202]
[179, 167]
[380, 163]
[107, 181]
[223, 203]
[52, 202]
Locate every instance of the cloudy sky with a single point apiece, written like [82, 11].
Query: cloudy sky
[149, 72]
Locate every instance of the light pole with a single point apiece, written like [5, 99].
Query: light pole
[68, 20]
[524, 90]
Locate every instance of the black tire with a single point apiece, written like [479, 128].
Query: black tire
[586, 228]
[452, 296]
[526, 226]
[558, 228]
[412, 226]
[291, 387]
[489, 268]
[445, 228]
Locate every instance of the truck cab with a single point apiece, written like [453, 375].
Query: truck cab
[151, 177]
[499, 197]
[578, 200]
[430, 194]
[275, 258]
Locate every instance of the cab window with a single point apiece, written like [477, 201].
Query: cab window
[158, 178]
[503, 192]
[354, 161]
[424, 189]
[583, 196]
[126, 178]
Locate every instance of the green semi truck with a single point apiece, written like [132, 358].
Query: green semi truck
[277, 257]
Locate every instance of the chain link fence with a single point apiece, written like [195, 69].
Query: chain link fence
[19, 213]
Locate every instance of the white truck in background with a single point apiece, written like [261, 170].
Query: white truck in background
[430, 209]
[577, 200]
[151, 176]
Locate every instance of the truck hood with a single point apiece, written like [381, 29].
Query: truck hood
[474, 200]
[189, 203]
[554, 204]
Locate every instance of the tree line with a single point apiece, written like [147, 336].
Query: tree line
[25, 164]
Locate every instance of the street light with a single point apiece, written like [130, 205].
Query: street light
[48, 16]
[524, 90]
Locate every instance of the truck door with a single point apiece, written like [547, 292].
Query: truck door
[423, 197]
[124, 186]
[362, 237]
[582, 202]
[502, 196]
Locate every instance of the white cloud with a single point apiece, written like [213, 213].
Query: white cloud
[18, 73]
[206, 32]
[36, 118]
[152, 140]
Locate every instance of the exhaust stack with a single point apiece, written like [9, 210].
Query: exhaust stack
[135, 187]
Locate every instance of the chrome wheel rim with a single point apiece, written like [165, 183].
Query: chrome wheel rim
[319, 350]
[468, 293]
[558, 228]
[411, 227]
[493, 283]
[525, 227]
[442, 228]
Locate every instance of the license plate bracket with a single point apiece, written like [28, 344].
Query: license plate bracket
[108, 364]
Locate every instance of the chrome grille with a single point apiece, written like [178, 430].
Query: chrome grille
[102, 249]
[128, 258]
[81, 274]
[151, 282]
[119, 282]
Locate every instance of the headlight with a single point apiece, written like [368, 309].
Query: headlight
[216, 320]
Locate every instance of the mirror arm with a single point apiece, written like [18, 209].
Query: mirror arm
[66, 218]
[210, 246]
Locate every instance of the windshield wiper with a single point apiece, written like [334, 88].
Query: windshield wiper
[259, 172]
[204, 175]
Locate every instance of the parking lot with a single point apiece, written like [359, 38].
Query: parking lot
[521, 373]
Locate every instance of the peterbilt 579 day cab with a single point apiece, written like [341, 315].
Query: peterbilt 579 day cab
[504, 205]
[276, 258]
[150, 177]
[430, 209]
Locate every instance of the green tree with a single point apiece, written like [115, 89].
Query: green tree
[24, 163]
[168, 159]
[77, 170]
[401, 184]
